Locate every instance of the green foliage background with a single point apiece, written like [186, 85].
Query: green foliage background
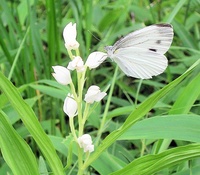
[152, 125]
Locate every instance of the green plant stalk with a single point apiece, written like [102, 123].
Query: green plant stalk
[17, 55]
[81, 81]
[70, 54]
[71, 124]
[73, 91]
[80, 119]
[69, 156]
[137, 93]
[77, 52]
[86, 113]
[103, 121]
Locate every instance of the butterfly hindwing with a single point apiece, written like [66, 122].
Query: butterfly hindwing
[140, 63]
[140, 53]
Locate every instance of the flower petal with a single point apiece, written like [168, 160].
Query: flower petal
[95, 59]
[62, 75]
[94, 94]
[70, 106]
[69, 35]
[76, 63]
[85, 142]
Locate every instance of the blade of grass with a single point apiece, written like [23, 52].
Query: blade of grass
[17, 55]
[32, 124]
[175, 11]
[15, 150]
[151, 164]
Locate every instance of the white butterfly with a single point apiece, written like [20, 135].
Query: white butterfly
[140, 54]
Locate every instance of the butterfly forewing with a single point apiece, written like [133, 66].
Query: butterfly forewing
[156, 37]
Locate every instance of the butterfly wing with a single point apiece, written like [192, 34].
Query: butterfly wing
[139, 62]
[140, 53]
[156, 37]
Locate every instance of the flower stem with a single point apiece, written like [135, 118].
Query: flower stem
[71, 124]
[73, 91]
[86, 112]
[81, 80]
[80, 119]
[103, 121]
[70, 54]
[77, 52]
[80, 161]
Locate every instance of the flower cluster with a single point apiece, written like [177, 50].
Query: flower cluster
[73, 102]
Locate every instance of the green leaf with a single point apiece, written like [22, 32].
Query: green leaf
[180, 127]
[15, 150]
[184, 35]
[151, 164]
[187, 98]
[32, 124]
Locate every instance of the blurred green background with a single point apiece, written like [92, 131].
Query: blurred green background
[31, 42]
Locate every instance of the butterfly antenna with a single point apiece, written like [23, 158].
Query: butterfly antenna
[94, 36]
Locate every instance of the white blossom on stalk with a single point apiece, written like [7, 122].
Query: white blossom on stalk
[62, 75]
[95, 59]
[70, 106]
[94, 94]
[69, 35]
[85, 142]
[76, 63]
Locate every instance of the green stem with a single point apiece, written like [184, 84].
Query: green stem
[80, 119]
[81, 81]
[86, 112]
[70, 54]
[73, 91]
[71, 124]
[77, 52]
[18, 53]
[80, 161]
[103, 121]
[138, 91]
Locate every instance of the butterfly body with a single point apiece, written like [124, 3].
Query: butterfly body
[140, 54]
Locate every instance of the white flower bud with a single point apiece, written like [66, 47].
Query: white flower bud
[70, 106]
[76, 63]
[95, 59]
[85, 142]
[94, 94]
[62, 75]
[69, 35]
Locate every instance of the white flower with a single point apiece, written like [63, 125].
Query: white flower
[95, 59]
[94, 94]
[76, 63]
[62, 75]
[85, 142]
[70, 106]
[69, 34]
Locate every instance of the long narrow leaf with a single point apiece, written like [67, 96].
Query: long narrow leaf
[15, 150]
[151, 164]
[180, 127]
[32, 124]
